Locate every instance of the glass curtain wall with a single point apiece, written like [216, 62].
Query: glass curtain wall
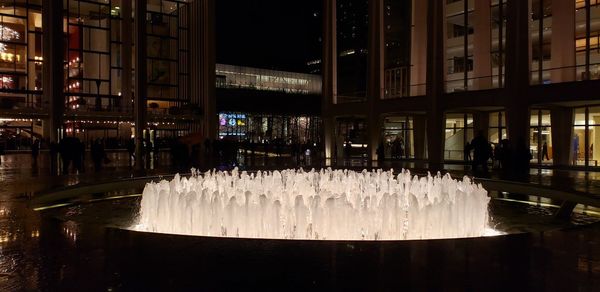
[88, 81]
[587, 39]
[351, 137]
[352, 43]
[459, 45]
[540, 137]
[20, 54]
[398, 135]
[497, 128]
[397, 21]
[20, 70]
[470, 66]
[541, 38]
[459, 132]
[586, 137]
[167, 55]
[579, 141]
[262, 128]
[116, 60]
[498, 38]
[547, 39]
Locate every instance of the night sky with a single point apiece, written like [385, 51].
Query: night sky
[271, 34]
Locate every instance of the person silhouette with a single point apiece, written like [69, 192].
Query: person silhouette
[545, 152]
[481, 152]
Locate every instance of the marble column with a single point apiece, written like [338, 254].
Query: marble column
[141, 80]
[436, 73]
[375, 74]
[418, 43]
[53, 68]
[126, 57]
[482, 45]
[562, 135]
[481, 123]
[329, 69]
[419, 130]
[562, 47]
[203, 57]
[517, 72]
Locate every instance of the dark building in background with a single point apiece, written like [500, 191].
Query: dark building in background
[352, 43]
[262, 106]
[265, 92]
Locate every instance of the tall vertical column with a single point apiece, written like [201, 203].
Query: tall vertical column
[418, 56]
[481, 123]
[375, 80]
[419, 130]
[141, 80]
[126, 54]
[482, 38]
[203, 58]
[517, 77]
[562, 47]
[53, 77]
[562, 135]
[329, 69]
[436, 73]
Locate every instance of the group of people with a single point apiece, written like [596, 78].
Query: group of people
[72, 154]
[512, 159]
[397, 148]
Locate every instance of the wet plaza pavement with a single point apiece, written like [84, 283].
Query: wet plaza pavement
[39, 251]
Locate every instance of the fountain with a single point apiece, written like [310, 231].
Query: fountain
[317, 205]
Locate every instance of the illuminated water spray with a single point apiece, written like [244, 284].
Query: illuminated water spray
[326, 205]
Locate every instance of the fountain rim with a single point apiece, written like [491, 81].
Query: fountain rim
[72, 195]
[176, 236]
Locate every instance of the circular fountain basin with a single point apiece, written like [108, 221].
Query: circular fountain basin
[150, 261]
[505, 213]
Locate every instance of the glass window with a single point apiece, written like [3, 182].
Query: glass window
[497, 130]
[593, 135]
[20, 55]
[166, 53]
[396, 48]
[459, 52]
[398, 136]
[586, 136]
[88, 66]
[580, 116]
[587, 41]
[540, 138]
[352, 43]
[458, 133]
[541, 32]
[498, 26]
[578, 145]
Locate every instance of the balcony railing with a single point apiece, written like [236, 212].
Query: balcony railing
[565, 74]
[16, 99]
[397, 82]
[474, 83]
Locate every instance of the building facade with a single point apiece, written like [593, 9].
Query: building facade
[525, 71]
[266, 106]
[79, 68]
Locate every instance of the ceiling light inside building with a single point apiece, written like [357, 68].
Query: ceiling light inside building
[7, 34]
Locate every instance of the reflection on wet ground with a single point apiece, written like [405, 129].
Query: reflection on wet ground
[70, 249]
